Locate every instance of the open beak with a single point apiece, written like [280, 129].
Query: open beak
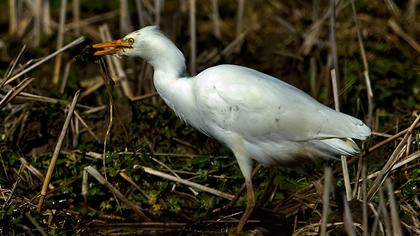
[111, 47]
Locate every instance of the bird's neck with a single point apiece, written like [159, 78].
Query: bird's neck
[169, 61]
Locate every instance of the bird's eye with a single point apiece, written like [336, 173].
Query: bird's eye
[130, 40]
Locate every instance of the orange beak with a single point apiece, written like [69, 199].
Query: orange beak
[111, 47]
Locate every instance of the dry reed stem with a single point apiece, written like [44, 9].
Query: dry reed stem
[91, 20]
[186, 182]
[57, 150]
[120, 74]
[65, 76]
[13, 78]
[131, 181]
[87, 127]
[215, 18]
[85, 190]
[344, 167]
[60, 38]
[391, 161]
[13, 92]
[76, 16]
[10, 70]
[395, 219]
[136, 208]
[157, 12]
[37, 12]
[35, 223]
[364, 198]
[13, 17]
[140, 13]
[193, 43]
[325, 200]
[240, 17]
[125, 22]
[312, 229]
[46, 17]
[348, 220]
[391, 138]
[335, 89]
[404, 162]
[103, 29]
[12, 191]
[365, 64]
[145, 96]
[34, 171]
[400, 32]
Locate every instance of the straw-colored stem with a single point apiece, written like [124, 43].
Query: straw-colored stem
[365, 64]
[125, 22]
[216, 18]
[193, 44]
[60, 38]
[188, 183]
[140, 13]
[240, 17]
[92, 171]
[391, 161]
[76, 16]
[325, 200]
[57, 150]
[157, 12]
[72, 44]
[395, 219]
[13, 17]
[37, 22]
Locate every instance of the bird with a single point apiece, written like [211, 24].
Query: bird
[258, 117]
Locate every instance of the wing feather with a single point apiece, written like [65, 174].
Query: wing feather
[258, 106]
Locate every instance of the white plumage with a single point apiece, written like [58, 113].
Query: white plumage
[256, 115]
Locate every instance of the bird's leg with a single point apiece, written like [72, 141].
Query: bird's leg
[249, 206]
[245, 164]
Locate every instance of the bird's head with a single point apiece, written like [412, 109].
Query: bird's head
[145, 43]
[148, 43]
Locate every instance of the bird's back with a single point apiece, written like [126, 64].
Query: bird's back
[266, 117]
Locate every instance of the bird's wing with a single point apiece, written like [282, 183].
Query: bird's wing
[255, 105]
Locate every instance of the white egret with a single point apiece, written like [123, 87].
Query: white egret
[260, 118]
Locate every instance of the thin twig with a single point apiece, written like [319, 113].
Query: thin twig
[186, 182]
[15, 61]
[107, 81]
[400, 32]
[365, 65]
[72, 44]
[57, 150]
[391, 161]
[136, 208]
[12, 93]
[391, 138]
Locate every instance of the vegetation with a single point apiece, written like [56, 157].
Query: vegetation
[122, 147]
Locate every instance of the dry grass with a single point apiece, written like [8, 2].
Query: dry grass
[362, 59]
